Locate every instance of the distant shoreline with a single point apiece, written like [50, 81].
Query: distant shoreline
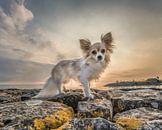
[148, 82]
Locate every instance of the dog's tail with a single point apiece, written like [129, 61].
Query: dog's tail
[50, 89]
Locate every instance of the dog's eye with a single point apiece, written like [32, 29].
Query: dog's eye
[94, 52]
[103, 51]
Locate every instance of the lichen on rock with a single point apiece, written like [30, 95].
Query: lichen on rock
[130, 123]
[131, 99]
[54, 120]
[143, 118]
[39, 124]
[130, 109]
[90, 124]
[95, 108]
[38, 114]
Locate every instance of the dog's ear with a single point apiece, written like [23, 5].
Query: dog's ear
[107, 39]
[85, 45]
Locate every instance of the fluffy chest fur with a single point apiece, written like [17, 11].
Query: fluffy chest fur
[90, 69]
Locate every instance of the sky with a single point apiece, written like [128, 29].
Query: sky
[47, 31]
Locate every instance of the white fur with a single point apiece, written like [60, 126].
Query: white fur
[89, 71]
[50, 90]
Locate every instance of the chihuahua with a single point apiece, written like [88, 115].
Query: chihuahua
[94, 61]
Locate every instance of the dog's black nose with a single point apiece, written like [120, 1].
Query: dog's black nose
[99, 57]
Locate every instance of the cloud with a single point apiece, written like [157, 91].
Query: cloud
[44, 32]
[6, 22]
[17, 18]
[20, 15]
[23, 71]
[22, 42]
[24, 54]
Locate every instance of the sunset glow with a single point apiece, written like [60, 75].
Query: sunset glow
[43, 33]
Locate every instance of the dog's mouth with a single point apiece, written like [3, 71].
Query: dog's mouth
[100, 61]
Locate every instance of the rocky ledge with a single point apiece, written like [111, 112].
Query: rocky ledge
[118, 109]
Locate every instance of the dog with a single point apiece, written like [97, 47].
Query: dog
[95, 59]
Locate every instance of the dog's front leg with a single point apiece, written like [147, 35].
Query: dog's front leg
[85, 84]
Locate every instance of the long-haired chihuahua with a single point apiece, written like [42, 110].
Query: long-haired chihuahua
[94, 61]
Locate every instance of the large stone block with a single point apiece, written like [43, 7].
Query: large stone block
[34, 113]
[16, 95]
[90, 124]
[140, 119]
[70, 98]
[95, 108]
[126, 100]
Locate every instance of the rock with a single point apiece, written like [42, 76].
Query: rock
[104, 94]
[16, 95]
[70, 99]
[10, 95]
[34, 113]
[140, 110]
[98, 94]
[140, 119]
[90, 124]
[95, 108]
[126, 100]
[28, 94]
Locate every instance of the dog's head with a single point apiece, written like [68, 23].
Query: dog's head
[99, 51]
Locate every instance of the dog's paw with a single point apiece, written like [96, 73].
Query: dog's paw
[91, 96]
